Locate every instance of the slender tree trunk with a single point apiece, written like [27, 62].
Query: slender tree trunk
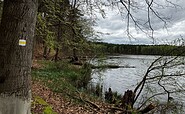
[56, 54]
[18, 22]
[45, 52]
[58, 40]
[74, 53]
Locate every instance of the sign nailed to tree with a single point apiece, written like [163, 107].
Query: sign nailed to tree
[22, 42]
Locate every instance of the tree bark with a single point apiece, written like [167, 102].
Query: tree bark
[128, 99]
[18, 22]
[56, 54]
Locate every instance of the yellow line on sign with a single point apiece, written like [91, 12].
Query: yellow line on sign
[22, 42]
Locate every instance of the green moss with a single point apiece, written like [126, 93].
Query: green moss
[47, 108]
[39, 100]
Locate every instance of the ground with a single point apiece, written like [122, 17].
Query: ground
[46, 101]
[59, 104]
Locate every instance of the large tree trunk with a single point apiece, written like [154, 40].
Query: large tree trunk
[18, 22]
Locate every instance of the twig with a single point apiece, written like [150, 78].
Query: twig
[86, 102]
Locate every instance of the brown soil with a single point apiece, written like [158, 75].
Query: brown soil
[63, 105]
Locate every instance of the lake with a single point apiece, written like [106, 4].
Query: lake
[122, 79]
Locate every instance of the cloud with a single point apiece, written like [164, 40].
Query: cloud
[116, 25]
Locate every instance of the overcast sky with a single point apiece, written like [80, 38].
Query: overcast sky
[115, 24]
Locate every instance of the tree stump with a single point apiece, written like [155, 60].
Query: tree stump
[109, 95]
[128, 100]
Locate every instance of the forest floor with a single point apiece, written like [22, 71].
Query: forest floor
[46, 101]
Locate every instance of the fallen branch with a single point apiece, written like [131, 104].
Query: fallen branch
[87, 101]
[118, 109]
[79, 98]
[110, 66]
[97, 112]
[147, 109]
[92, 104]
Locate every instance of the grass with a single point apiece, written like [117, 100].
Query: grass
[62, 76]
[65, 78]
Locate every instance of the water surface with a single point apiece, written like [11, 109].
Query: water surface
[122, 79]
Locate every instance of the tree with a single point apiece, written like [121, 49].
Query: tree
[163, 78]
[52, 24]
[61, 27]
[44, 35]
[17, 25]
[166, 74]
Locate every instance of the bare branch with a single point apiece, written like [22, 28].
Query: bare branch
[162, 93]
[129, 15]
[152, 67]
[158, 94]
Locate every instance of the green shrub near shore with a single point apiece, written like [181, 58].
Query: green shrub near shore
[62, 76]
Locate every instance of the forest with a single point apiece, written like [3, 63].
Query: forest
[163, 50]
[45, 52]
[62, 30]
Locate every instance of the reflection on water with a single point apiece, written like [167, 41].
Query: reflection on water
[122, 79]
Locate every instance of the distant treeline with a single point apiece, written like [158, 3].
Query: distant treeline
[141, 49]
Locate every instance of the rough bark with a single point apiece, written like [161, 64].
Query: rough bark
[18, 22]
[56, 54]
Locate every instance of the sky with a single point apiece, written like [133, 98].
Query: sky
[114, 25]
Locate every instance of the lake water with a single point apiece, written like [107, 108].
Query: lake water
[122, 79]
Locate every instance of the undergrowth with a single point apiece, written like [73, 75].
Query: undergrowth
[62, 76]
